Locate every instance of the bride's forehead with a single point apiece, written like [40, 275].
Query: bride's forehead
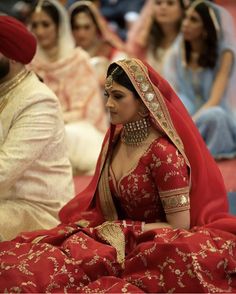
[118, 87]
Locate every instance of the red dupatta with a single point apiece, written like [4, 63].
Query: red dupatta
[208, 198]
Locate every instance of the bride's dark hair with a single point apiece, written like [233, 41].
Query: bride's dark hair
[121, 78]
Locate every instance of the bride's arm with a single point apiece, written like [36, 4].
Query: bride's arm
[172, 179]
[177, 220]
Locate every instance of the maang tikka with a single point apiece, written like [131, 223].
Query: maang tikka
[109, 79]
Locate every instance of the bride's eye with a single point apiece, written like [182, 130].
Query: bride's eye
[118, 96]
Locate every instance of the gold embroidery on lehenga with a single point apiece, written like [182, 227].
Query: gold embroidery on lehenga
[113, 235]
[106, 202]
[192, 269]
[198, 271]
[83, 223]
[38, 239]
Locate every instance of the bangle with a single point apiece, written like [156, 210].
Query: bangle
[124, 224]
[142, 227]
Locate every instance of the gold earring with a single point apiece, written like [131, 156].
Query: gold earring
[143, 113]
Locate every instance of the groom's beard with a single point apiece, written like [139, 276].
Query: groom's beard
[4, 67]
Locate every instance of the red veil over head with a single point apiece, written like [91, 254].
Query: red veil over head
[208, 198]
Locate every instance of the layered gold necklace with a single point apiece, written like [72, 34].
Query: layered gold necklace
[135, 133]
[6, 87]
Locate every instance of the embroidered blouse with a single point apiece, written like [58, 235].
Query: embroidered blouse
[156, 186]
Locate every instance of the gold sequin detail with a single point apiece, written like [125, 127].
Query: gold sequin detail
[175, 200]
[113, 235]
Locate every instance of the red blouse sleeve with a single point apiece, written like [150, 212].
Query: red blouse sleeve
[171, 175]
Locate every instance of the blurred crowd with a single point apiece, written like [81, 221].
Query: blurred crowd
[77, 40]
[119, 13]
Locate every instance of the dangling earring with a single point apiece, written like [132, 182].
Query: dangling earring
[143, 113]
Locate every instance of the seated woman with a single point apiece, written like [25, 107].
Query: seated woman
[156, 31]
[153, 219]
[202, 70]
[67, 71]
[91, 32]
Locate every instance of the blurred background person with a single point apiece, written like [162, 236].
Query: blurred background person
[156, 31]
[117, 12]
[18, 9]
[68, 72]
[202, 69]
[92, 33]
[97, 3]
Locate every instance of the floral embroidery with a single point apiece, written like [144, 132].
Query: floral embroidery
[141, 197]
[113, 235]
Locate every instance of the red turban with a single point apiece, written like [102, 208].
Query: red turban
[16, 42]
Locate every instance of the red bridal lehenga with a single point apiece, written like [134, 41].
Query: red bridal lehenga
[100, 246]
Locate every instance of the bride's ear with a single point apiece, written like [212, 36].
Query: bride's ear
[144, 112]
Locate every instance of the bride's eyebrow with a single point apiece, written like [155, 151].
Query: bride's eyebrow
[114, 91]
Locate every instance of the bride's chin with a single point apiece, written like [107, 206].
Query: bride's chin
[113, 119]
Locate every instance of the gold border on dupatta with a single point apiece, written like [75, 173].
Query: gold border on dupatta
[105, 197]
[153, 99]
[112, 234]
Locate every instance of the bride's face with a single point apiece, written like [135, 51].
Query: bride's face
[122, 104]
[44, 29]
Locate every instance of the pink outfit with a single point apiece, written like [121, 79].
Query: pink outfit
[74, 82]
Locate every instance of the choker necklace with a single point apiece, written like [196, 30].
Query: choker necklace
[134, 133]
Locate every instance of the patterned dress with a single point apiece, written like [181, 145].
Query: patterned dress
[86, 260]
[157, 185]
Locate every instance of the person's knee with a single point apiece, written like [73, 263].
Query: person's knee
[213, 115]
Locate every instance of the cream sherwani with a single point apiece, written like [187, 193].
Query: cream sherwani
[35, 173]
[75, 83]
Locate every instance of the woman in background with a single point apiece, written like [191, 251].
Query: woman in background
[154, 219]
[67, 71]
[156, 31]
[91, 32]
[202, 70]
